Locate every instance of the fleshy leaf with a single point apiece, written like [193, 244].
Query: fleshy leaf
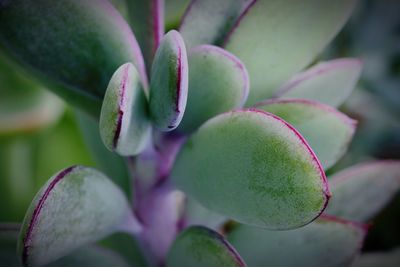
[326, 242]
[361, 191]
[327, 130]
[218, 82]
[76, 206]
[329, 82]
[169, 82]
[200, 246]
[147, 21]
[277, 38]
[124, 124]
[209, 21]
[381, 259]
[77, 44]
[196, 214]
[253, 167]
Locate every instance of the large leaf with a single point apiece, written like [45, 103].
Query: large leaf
[200, 246]
[361, 191]
[169, 82]
[327, 130]
[218, 82]
[124, 123]
[147, 21]
[325, 242]
[277, 38]
[209, 21]
[77, 206]
[329, 82]
[77, 44]
[252, 166]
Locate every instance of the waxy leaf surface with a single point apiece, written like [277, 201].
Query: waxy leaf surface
[277, 38]
[76, 206]
[327, 130]
[253, 167]
[361, 191]
[209, 21]
[196, 214]
[169, 82]
[329, 82]
[77, 44]
[325, 242]
[124, 123]
[198, 246]
[218, 82]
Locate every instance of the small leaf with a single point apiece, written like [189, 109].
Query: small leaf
[381, 259]
[218, 82]
[77, 206]
[209, 21]
[77, 44]
[124, 126]
[196, 214]
[200, 246]
[252, 166]
[326, 242]
[277, 38]
[361, 191]
[327, 130]
[329, 82]
[169, 82]
[147, 21]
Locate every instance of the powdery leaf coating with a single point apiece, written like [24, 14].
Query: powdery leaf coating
[253, 167]
[76, 206]
[329, 82]
[381, 259]
[218, 82]
[169, 82]
[327, 130]
[147, 21]
[326, 242]
[78, 44]
[198, 246]
[209, 21]
[361, 191]
[196, 214]
[277, 38]
[124, 124]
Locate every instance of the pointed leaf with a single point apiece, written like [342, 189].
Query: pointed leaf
[169, 82]
[77, 206]
[147, 21]
[209, 21]
[277, 38]
[329, 82]
[381, 259]
[218, 82]
[77, 44]
[252, 166]
[124, 126]
[361, 191]
[200, 246]
[326, 242]
[327, 130]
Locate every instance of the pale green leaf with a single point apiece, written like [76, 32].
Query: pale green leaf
[329, 82]
[253, 167]
[277, 38]
[169, 82]
[361, 191]
[327, 130]
[198, 246]
[326, 242]
[78, 205]
[124, 123]
[218, 82]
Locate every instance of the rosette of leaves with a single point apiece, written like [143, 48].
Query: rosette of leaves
[215, 166]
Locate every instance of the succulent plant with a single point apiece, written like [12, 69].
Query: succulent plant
[210, 137]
